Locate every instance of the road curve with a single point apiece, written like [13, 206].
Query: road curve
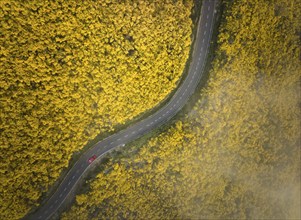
[188, 86]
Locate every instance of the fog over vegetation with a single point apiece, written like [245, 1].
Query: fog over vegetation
[237, 153]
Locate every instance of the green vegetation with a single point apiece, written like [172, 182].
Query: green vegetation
[237, 153]
[72, 70]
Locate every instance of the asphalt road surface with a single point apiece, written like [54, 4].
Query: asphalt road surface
[188, 86]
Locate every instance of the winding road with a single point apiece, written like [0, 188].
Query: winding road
[188, 86]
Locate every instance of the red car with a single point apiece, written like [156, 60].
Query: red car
[91, 159]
